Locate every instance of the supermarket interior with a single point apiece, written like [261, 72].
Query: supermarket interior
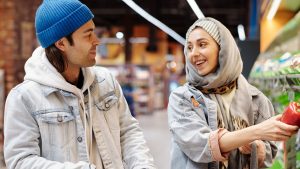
[142, 42]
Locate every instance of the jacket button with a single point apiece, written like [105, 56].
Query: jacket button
[107, 105]
[59, 118]
[79, 139]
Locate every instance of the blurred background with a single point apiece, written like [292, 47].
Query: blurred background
[142, 45]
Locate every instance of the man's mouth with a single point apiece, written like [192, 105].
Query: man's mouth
[93, 51]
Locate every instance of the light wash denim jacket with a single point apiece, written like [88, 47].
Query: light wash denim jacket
[43, 128]
[195, 128]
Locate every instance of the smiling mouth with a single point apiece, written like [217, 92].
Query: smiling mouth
[199, 62]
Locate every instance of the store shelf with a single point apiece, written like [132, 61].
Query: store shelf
[277, 74]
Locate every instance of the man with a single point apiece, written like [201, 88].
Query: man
[66, 114]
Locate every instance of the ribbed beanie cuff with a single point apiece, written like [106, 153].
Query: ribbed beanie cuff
[209, 26]
[62, 25]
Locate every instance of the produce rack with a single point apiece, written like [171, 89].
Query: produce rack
[276, 73]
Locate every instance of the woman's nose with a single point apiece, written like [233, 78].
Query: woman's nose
[194, 51]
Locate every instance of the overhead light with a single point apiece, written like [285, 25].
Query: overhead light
[273, 9]
[119, 35]
[241, 32]
[154, 21]
[195, 8]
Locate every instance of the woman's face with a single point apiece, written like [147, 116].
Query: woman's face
[202, 51]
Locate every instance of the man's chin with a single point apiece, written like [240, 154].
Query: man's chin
[92, 55]
[91, 63]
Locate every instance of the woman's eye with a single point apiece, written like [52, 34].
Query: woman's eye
[202, 44]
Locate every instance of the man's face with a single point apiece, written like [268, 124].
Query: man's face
[83, 51]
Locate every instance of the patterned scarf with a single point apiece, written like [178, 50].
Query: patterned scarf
[220, 90]
[224, 79]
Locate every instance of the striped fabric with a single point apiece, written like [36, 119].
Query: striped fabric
[211, 28]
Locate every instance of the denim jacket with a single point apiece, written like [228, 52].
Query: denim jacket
[43, 126]
[194, 128]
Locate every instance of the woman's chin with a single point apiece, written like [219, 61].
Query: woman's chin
[202, 72]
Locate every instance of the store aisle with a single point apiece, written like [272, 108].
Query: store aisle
[158, 137]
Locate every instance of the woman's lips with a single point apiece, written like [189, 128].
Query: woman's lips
[199, 62]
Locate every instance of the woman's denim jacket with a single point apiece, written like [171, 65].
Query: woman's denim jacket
[43, 128]
[194, 127]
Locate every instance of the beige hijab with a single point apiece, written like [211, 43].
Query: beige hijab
[229, 69]
[230, 62]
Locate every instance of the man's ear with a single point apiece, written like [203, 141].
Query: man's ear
[61, 44]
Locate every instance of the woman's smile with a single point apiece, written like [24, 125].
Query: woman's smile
[200, 62]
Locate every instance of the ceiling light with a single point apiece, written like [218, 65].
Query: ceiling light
[154, 21]
[195, 8]
[119, 35]
[273, 9]
[241, 32]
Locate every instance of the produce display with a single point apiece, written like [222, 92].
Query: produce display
[276, 73]
[278, 77]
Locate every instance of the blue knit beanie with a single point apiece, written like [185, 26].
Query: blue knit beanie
[56, 19]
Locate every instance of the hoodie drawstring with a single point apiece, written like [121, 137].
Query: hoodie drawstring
[85, 127]
[90, 146]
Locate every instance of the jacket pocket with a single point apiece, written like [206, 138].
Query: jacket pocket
[56, 117]
[107, 103]
[58, 134]
[108, 107]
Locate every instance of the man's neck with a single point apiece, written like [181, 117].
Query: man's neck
[71, 75]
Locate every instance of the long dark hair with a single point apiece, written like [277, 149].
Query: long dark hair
[55, 56]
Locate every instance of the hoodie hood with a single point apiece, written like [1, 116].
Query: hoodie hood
[40, 70]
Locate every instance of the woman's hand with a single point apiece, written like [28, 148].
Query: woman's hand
[260, 151]
[269, 130]
[275, 130]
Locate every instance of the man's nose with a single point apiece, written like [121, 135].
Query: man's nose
[96, 40]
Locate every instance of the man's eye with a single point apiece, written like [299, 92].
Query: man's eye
[89, 36]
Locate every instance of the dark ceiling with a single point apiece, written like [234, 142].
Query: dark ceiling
[176, 14]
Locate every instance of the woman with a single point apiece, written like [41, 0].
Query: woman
[217, 119]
